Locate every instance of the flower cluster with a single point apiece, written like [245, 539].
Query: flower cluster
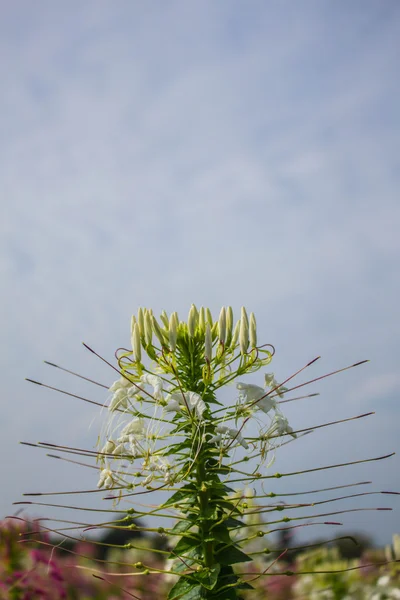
[156, 401]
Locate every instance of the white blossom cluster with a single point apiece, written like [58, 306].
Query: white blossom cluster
[145, 405]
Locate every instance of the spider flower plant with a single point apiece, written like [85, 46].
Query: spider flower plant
[167, 430]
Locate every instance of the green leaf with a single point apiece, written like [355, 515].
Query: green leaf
[213, 401]
[231, 522]
[245, 586]
[185, 544]
[175, 448]
[221, 534]
[185, 589]
[228, 594]
[227, 505]
[182, 526]
[230, 555]
[182, 494]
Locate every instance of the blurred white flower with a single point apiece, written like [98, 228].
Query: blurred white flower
[176, 401]
[155, 382]
[135, 428]
[106, 479]
[254, 394]
[233, 434]
[280, 425]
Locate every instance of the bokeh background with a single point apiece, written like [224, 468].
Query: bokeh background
[163, 153]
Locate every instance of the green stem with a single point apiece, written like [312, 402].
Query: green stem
[205, 524]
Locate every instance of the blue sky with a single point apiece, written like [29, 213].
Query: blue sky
[159, 154]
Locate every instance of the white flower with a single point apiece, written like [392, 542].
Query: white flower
[176, 400]
[123, 390]
[271, 382]
[196, 402]
[254, 394]
[120, 398]
[120, 449]
[122, 382]
[249, 392]
[134, 447]
[157, 464]
[172, 405]
[233, 434]
[108, 447]
[106, 479]
[135, 427]
[266, 404]
[156, 382]
[280, 425]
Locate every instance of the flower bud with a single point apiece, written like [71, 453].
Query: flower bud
[136, 346]
[222, 325]
[164, 319]
[202, 320]
[157, 331]
[235, 335]
[253, 331]
[141, 321]
[209, 317]
[244, 332]
[192, 320]
[229, 324]
[173, 332]
[208, 343]
[133, 321]
[148, 329]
